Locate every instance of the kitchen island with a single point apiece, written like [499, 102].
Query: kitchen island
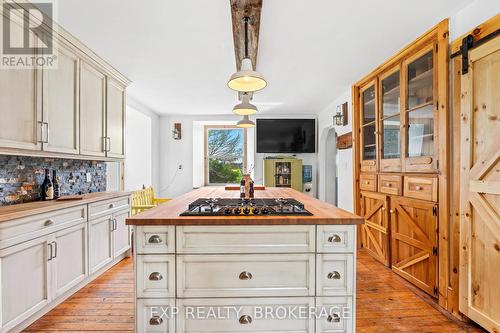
[245, 273]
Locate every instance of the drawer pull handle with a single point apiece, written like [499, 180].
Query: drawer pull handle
[155, 239]
[155, 276]
[335, 318]
[245, 320]
[245, 276]
[155, 320]
[388, 184]
[367, 182]
[334, 275]
[334, 239]
[111, 206]
[418, 188]
[49, 223]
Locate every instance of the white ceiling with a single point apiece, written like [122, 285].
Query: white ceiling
[179, 53]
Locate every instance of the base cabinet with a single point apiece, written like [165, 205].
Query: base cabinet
[375, 232]
[25, 275]
[252, 286]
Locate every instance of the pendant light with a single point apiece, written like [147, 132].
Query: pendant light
[245, 107]
[246, 79]
[245, 123]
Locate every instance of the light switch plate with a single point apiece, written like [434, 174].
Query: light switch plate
[89, 177]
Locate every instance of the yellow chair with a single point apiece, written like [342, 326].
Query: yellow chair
[145, 199]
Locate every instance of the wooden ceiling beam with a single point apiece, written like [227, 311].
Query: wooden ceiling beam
[240, 9]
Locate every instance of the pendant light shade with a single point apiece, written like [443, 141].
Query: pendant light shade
[246, 79]
[245, 107]
[245, 123]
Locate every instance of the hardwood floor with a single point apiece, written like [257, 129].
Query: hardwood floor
[385, 303]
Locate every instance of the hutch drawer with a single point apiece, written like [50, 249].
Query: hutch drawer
[390, 184]
[423, 188]
[368, 182]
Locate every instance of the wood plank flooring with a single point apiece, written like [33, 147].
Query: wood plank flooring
[385, 303]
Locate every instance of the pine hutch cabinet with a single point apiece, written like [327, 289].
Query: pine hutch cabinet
[400, 153]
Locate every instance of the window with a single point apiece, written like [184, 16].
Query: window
[225, 154]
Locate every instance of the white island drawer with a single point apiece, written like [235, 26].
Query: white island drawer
[338, 315]
[334, 274]
[243, 315]
[336, 238]
[155, 239]
[246, 275]
[155, 276]
[154, 316]
[245, 239]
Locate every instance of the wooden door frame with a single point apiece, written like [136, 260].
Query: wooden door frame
[205, 149]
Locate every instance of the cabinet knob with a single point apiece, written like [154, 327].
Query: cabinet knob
[155, 239]
[367, 182]
[333, 275]
[388, 184]
[155, 320]
[391, 211]
[111, 206]
[49, 222]
[245, 320]
[383, 208]
[245, 276]
[418, 188]
[155, 276]
[334, 239]
[334, 318]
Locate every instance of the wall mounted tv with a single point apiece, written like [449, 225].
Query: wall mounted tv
[286, 136]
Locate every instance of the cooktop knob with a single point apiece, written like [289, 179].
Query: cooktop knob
[228, 211]
[264, 210]
[256, 210]
[237, 210]
[246, 210]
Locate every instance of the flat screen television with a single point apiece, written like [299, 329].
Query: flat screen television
[286, 136]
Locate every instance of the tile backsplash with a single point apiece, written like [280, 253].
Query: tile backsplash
[22, 176]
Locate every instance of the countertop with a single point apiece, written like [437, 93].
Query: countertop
[37, 207]
[168, 213]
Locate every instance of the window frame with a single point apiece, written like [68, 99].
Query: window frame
[206, 159]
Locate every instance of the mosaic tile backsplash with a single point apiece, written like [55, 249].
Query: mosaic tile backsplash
[21, 177]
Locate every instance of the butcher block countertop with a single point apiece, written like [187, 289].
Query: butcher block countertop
[11, 212]
[168, 213]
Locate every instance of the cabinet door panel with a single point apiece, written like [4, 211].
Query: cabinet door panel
[60, 109]
[375, 231]
[25, 276]
[70, 264]
[414, 242]
[115, 119]
[100, 243]
[121, 234]
[92, 110]
[20, 107]
[368, 127]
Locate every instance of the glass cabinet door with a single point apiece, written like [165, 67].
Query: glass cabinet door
[419, 113]
[390, 122]
[368, 130]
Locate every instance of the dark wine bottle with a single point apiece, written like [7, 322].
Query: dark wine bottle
[47, 187]
[55, 184]
[242, 188]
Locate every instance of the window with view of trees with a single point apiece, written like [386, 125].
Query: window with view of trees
[225, 155]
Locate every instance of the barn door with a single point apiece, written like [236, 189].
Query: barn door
[414, 242]
[480, 187]
[375, 231]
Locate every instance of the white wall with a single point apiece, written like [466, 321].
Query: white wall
[142, 147]
[472, 15]
[344, 157]
[189, 152]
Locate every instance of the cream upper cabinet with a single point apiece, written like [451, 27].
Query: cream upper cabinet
[115, 119]
[60, 104]
[20, 105]
[92, 110]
